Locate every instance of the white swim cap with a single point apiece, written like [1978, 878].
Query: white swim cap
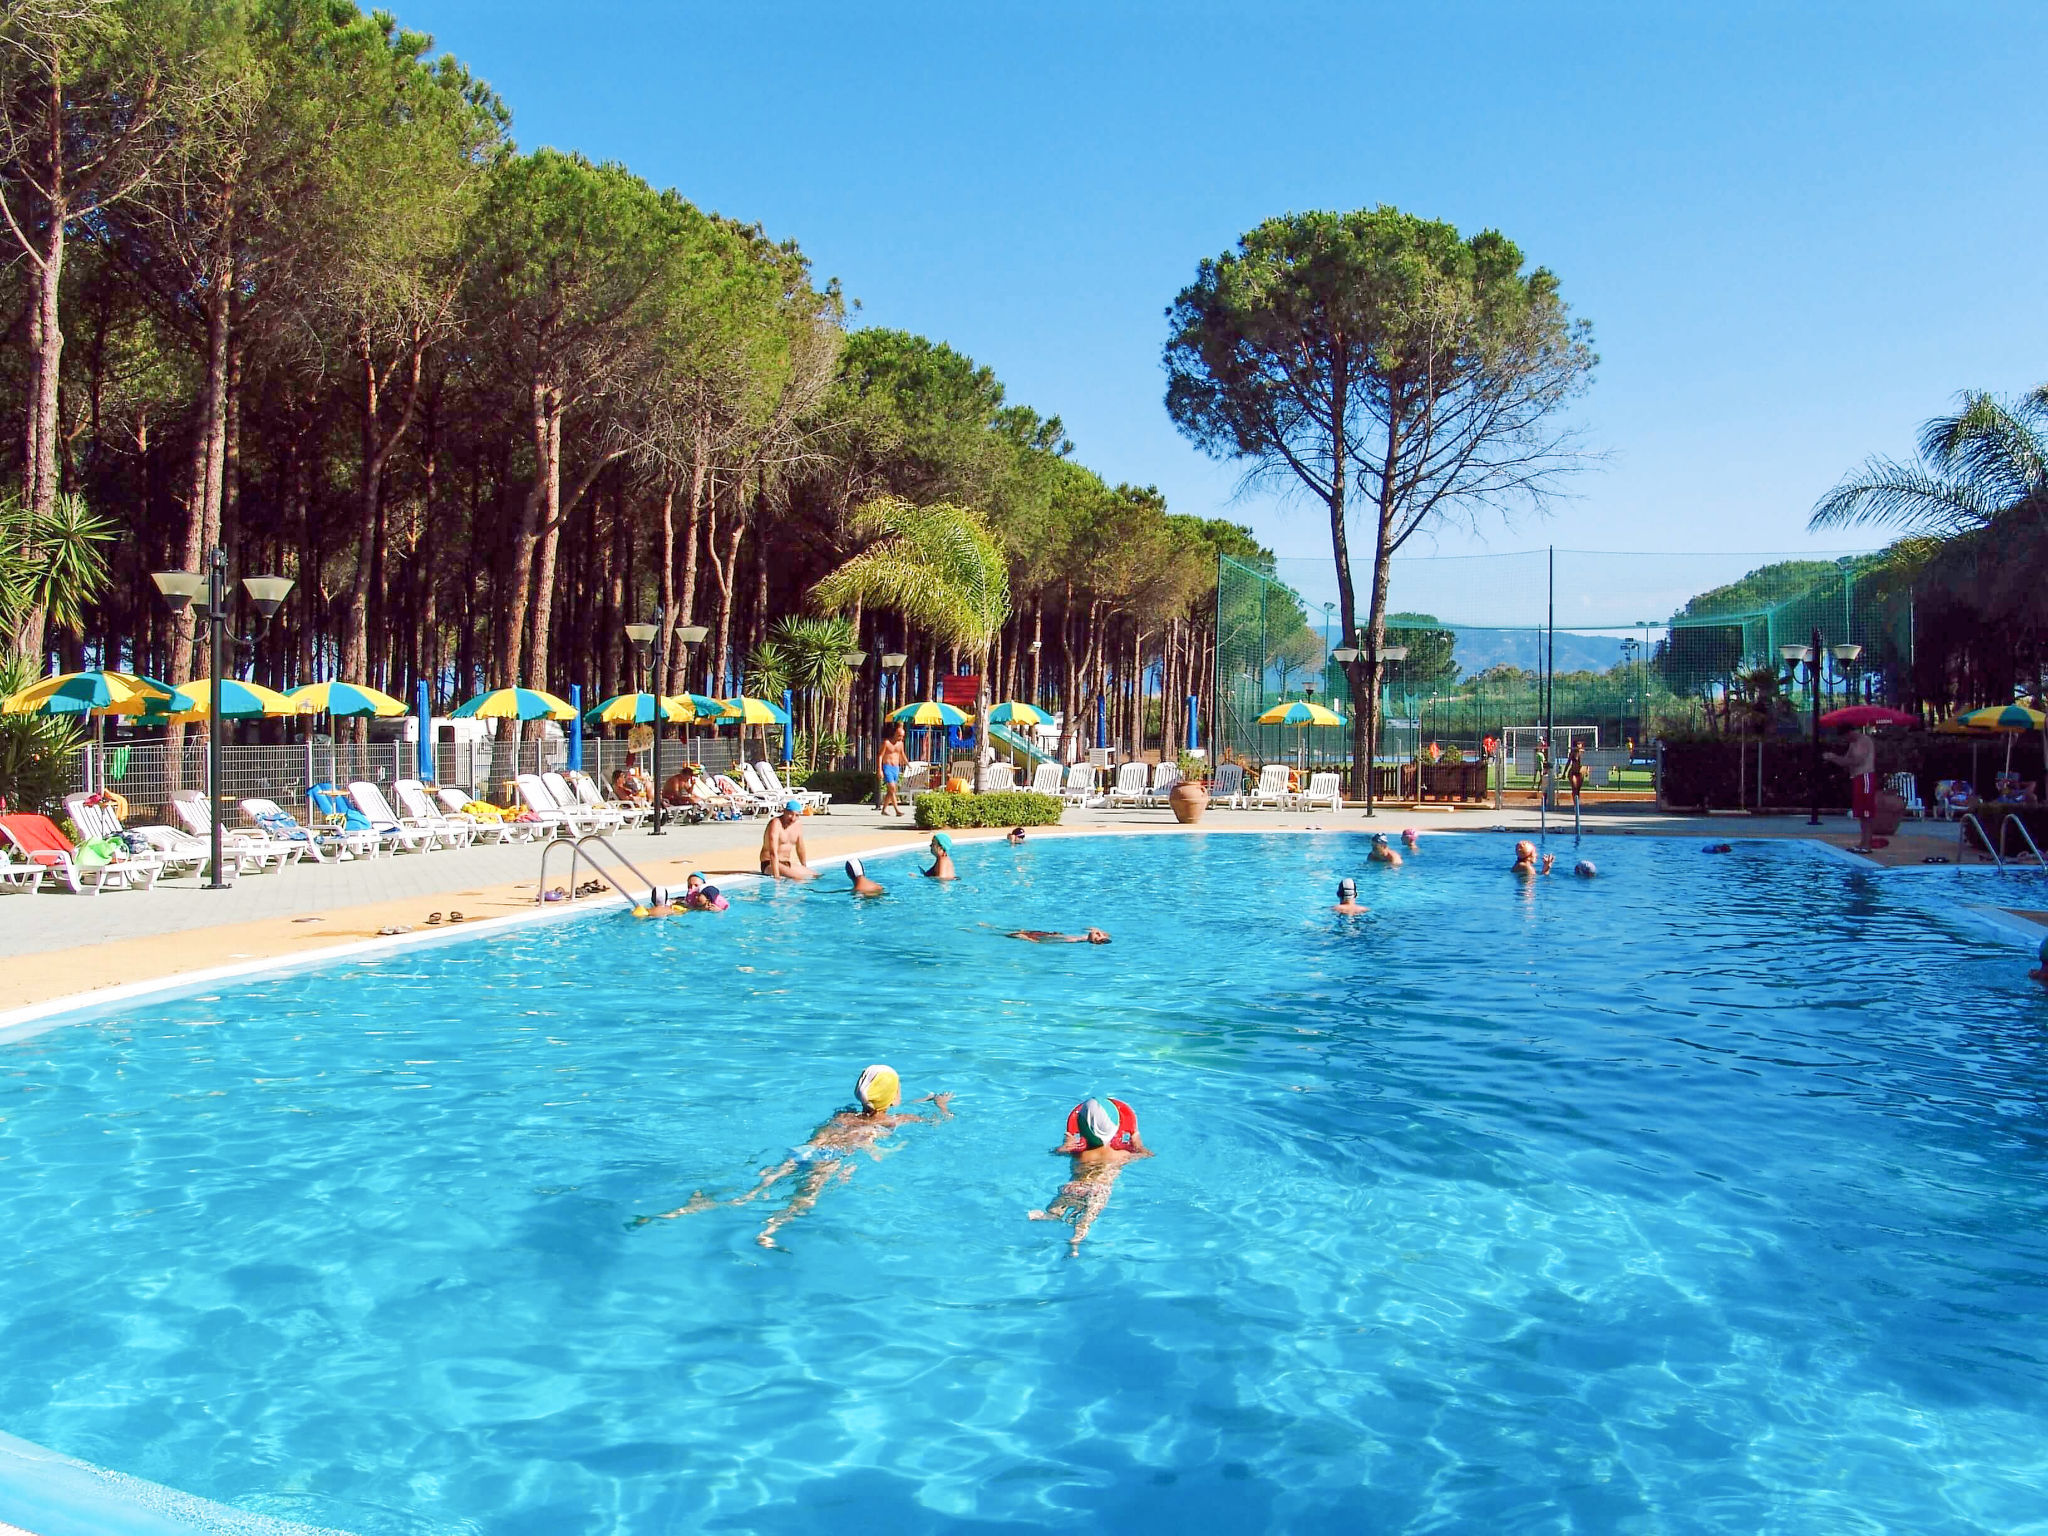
[854, 869]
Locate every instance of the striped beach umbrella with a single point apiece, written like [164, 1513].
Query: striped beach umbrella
[2013, 720]
[238, 701]
[345, 700]
[1300, 712]
[931, 712]
[1015, 712]
[640, 709]
[89, 693]
[514, 704]
[742, 710]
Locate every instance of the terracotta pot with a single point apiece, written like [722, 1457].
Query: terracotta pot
[1188, 800]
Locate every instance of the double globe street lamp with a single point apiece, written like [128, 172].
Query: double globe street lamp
[1815, 657]
[179, 589]
[653, 634]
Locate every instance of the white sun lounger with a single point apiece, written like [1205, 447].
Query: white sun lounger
[585, 787]
[486, 830]
[1045, 779]
[1323, 790]
[599, 817]
[253, 852]
[180, 853]
[556, 819]
[1229, 786]
[814, 800]
[1272, 788]
[386, 823]
[419, 810]
[1129, 788]
[1081, 788]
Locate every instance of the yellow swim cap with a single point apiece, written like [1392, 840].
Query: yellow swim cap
[878, 1089]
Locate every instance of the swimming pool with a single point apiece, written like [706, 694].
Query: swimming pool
[1704, 1197]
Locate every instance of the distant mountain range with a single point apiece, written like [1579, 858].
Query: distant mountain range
[1478, 649]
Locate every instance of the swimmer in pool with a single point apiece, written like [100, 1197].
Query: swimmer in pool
[942, 858]
[2040, 972]
[1016, 836]
[829, 1154]
[1410, 839]
[1585, 869]
[1045, 936]
[1347, 898]
[1383, 851]
[1526, 864]
[862, 885]
[1102, 1137]
[699, 895]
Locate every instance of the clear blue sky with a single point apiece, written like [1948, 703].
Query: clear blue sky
[1798, 230]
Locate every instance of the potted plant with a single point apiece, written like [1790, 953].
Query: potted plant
[1189, 796]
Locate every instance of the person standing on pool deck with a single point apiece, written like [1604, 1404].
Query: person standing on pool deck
[828, 1154]
[890, 762]
[1575, 774]
[942, 858]
[782, 846]
[1858, 758]
[1101, 1139]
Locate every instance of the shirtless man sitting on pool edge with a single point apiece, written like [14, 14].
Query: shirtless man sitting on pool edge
[782, 846]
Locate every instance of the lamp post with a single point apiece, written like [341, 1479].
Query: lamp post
[1395, 654]
[179, 588]
[1845, 662]
[1344, 655]
[893, 662]
[643, 636]
[1815, 657]
[855, 660]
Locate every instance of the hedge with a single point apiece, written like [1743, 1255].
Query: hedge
[1004, 808]
[845, 787]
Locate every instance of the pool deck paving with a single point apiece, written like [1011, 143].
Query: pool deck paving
[57, 945]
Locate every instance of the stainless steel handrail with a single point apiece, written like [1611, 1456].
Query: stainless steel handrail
[2012, 823]
[576, 859]
[1969, 819]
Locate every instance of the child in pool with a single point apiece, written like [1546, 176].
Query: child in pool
[1525, 861]
[829, 1152]
[699, 896]
[1101, 1139]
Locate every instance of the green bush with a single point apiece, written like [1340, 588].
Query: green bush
[1004, 808]
[35, 751]
[844, 788]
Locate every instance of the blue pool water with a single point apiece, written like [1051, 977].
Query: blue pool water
[1706, 1197]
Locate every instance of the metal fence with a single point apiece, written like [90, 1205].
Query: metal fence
[146, 773]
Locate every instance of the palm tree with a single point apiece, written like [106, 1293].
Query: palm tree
[1987, 460]
[51, 569]
[941, 568]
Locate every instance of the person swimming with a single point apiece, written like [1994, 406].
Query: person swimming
[942, 858]
[1382, 850]
[1014, 836]
[1047, 936]
[1410, 839]
[699, 895]
[1586, 869]
[1347, 898]
[1102, 1138]
[828, 1154]
[1526, 864]
[862, 885]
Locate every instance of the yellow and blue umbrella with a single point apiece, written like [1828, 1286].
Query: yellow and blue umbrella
[2013, 720]
[238, 701]
[514, 704]
[2003, 717]
[742, 710]
[930, 712]
[1300, 712]
[345, 700]
[1013, 712]
[639, 709]
[89, 693]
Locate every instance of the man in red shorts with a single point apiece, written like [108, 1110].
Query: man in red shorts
[1858, 759]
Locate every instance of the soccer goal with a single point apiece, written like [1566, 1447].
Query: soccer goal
[1521, 742]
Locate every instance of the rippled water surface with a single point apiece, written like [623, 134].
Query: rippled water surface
[1705, 1197]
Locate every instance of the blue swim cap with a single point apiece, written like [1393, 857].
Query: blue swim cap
[944, 840]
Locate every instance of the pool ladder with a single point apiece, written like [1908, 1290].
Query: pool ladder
[577, 857]
[2009, 824]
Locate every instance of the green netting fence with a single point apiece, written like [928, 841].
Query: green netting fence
[1611, 650]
